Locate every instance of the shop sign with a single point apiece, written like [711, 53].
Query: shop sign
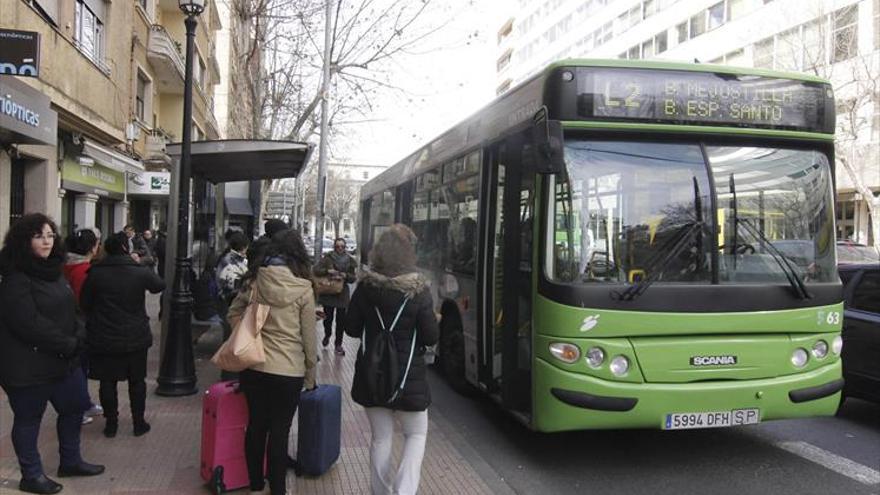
[19, 53]
[152, 183]
[25, 116]
[95, 178]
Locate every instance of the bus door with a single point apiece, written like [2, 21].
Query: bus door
[507, 280]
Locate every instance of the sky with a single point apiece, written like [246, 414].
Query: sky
[441, 88]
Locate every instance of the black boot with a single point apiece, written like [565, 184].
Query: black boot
[39, 485]
[81, 469]
[110, 427]
[141, 427]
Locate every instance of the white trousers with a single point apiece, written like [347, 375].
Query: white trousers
[415, 432]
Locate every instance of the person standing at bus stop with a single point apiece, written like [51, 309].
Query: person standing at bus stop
[336, 264]
[40, 344]
[394, 286]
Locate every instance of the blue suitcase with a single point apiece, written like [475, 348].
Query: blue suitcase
[320, 425]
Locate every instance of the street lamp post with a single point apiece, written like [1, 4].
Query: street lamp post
[177, 374]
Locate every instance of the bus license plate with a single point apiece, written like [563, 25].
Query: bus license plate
[719, 419]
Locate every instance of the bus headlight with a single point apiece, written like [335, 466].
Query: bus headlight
[799, 357]
[595, 357]
[565, 352]
[619, 365]
[820, 349]
[837, 345]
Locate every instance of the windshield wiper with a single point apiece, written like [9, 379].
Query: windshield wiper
[790, 273]
[658, 263]
[676, 245]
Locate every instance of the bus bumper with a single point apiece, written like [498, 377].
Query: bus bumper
[571, 401]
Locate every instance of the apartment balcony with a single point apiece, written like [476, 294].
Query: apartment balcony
[155, 154]
[166, 60]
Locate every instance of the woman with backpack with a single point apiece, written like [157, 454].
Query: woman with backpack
[280, 278]
[392, 312]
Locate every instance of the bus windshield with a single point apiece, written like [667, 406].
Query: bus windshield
[630, 211]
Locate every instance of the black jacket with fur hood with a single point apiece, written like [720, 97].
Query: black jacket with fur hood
[387, 294]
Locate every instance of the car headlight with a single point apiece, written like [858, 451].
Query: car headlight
[799, 357]
[820, 349]
[565, 352]
[595, 357]
[837, 345]
[619, 365]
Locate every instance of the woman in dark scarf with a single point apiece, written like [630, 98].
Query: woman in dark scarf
[40, 344]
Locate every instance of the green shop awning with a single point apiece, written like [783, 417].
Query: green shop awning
[234, 160]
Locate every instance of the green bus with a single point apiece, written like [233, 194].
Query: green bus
[618, 244]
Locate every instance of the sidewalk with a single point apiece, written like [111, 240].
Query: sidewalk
[166, 460]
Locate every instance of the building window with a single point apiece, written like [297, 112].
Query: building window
[844, 33]
[716, 15]
[660, 42]
[736, 9]
[763, 53]
[682, 30]
[698, 24]
[648, 8]
[648, 48]
[366, 175]
[504, 60]
[505, 30]
[633, 53]
[142, 96]
[346, 224]
[89, 29]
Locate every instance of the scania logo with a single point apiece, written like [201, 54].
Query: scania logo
[712, 360]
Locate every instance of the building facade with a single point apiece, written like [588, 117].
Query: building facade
[112, 73]
[835, 39]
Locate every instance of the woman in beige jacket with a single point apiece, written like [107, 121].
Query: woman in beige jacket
[281, 279]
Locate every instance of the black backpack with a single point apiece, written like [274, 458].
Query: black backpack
[379, 362]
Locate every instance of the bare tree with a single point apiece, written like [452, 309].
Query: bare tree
[828, 47]
[283, 59]
[341, 195]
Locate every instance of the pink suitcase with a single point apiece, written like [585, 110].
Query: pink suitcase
[224, 420]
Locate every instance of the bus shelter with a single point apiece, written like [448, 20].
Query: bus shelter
[222, 161]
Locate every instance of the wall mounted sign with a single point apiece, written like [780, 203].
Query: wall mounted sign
[25, 116]
[19, 53]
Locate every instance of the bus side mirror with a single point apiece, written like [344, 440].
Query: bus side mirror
[547, 153]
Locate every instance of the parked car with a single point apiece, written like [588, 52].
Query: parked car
[861, 330]
[851, 252]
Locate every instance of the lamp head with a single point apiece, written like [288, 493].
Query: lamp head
[191, 7]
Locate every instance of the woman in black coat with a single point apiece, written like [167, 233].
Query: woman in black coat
[40, 341]
[394, 283]
[118, 330]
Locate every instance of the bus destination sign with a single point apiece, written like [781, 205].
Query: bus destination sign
[702, 98]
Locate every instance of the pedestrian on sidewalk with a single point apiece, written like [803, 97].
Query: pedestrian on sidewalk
[118, 330]
[271, 227]
[281, 278]
[336, 264]
[232, 266]
[82, 247]
[394, 293]
[40, 344]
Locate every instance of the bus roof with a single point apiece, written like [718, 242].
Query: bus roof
[521, 103]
